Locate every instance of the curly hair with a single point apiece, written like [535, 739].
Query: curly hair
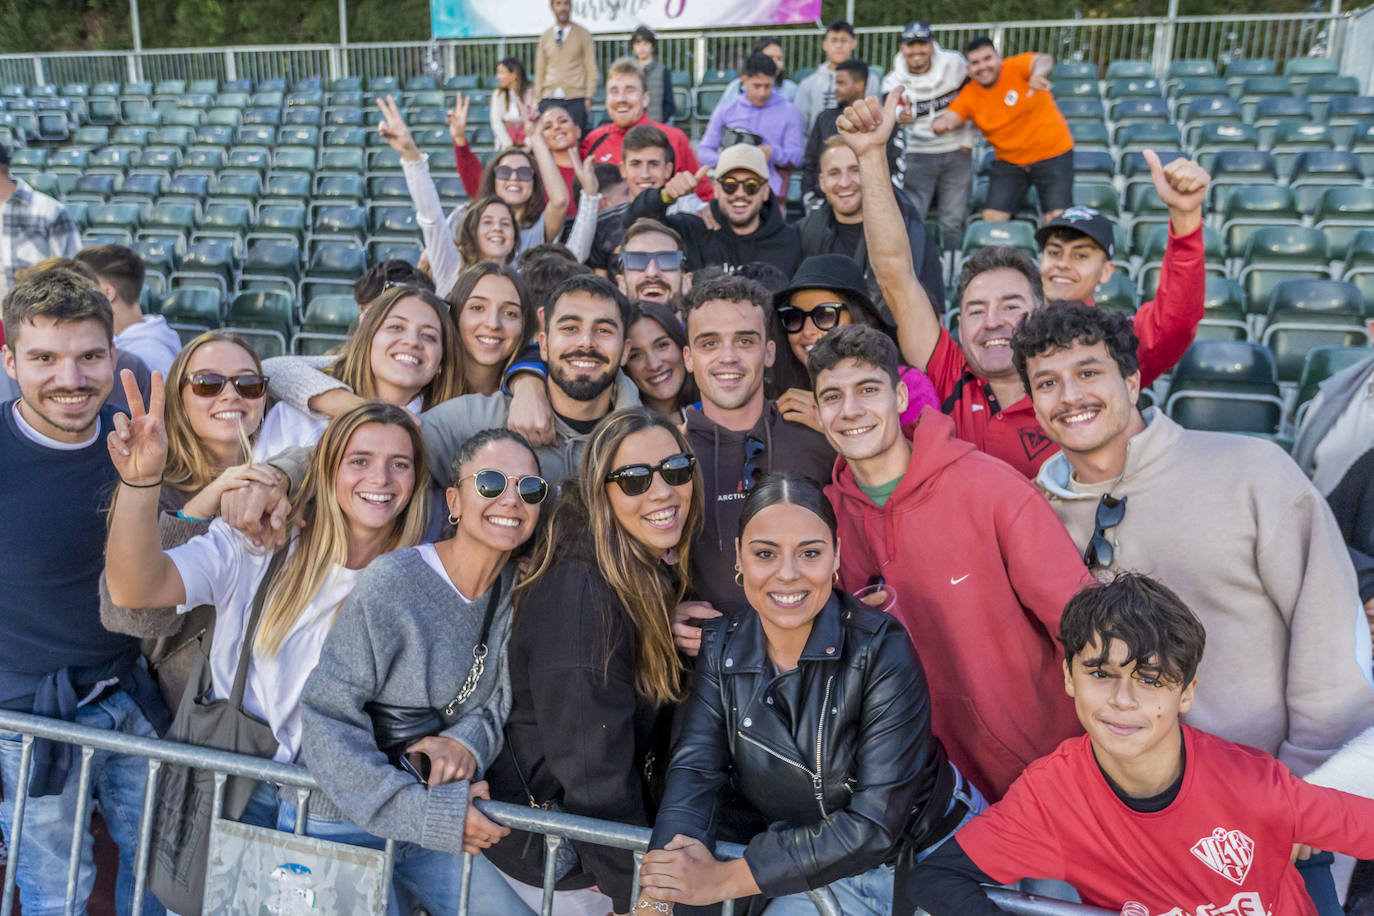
[1161, 634]
[1063, 325]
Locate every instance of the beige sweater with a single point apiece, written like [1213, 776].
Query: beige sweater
[570, 66]
[1231, 524]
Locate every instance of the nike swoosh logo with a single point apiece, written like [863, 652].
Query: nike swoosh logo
[954, 581]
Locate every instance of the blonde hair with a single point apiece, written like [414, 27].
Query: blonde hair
[189, 466]
[354, 365]
[632, 569]
[324, 541]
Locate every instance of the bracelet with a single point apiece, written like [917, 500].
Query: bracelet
[663, 196]
[657, 906]
[191, 518]
[142, 486]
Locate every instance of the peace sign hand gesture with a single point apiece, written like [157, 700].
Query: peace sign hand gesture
[585, 172]
[393, 129]
[138, 446]
[457, 120]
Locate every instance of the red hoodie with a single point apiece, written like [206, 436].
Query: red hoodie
[981, 568]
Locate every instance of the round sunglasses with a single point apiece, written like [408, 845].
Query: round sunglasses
[492, 483]
[208, 384]
[751, 186]
[635, 479]
[823, 317]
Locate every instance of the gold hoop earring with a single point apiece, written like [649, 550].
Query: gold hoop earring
[837, 577]
[453, 519]
[739, 578]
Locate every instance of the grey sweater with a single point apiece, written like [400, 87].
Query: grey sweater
[404, 637]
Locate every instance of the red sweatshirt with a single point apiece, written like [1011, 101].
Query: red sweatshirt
[981, 568]
[470, 171]
[1165, 327]
[1221, 848]
[606, 144]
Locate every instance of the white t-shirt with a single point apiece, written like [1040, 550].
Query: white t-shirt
[152, 341]
[286, 426]
[431, 558]
[220, 568]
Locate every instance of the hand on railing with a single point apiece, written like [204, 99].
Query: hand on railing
[479, 831]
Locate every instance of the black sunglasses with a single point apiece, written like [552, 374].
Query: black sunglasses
[519, 173]
[639, 260]
[208, 384]
[1110, 512]
[492, 483]
[823, 317]
[751, 186]
[753, 451]
[635, 479]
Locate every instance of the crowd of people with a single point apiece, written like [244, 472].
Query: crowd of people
[635, 500]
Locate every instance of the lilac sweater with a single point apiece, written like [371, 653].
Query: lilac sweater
[778, 122]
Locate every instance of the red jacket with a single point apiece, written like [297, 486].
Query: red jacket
[981, 568]
[470, 170]
[606, 144]
[1167, 323]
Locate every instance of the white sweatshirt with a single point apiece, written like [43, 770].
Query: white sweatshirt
[928, 94]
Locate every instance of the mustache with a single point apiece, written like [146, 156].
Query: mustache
[1077, 408]
[585, 354]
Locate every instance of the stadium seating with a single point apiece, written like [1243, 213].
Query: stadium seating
[1226, 385]
[1307, 313]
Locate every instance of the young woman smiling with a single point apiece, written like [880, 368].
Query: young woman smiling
[594, 672]
[404, 352]
[655, 343]
[354, 505]
[420, 645]
[494, 317]
[215, 398]
[816, 708]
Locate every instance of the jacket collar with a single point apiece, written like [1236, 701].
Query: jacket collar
[1159, 438]
[746, 651]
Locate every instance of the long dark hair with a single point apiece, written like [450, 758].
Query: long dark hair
[789, 489]
[522, 80]
[467, 229]
[533, 208]
[667, 319]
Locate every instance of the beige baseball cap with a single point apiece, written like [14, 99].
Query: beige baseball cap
[741, 156]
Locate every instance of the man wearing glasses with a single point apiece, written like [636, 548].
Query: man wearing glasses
[1228, 522]
[651, 259]
[748, 221]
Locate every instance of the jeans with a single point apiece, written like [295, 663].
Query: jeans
[430, 878]
[1321, 887]
[117, 781]
[870, 893]
[948, 174]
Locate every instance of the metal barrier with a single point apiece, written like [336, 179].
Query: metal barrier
[1159, 39]
[557, 827]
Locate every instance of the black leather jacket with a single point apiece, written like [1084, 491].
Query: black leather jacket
[837, 754]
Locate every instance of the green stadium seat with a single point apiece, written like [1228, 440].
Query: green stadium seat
[193, 310]
[1190, 68]
[244, 185]
[344, 137]
[291, 159]
[299, 135]
[334, 267]
[272, 263]
[123, 218]
[1242, 166]
[1341, 212]
[339, 189]
[207, 261]
[325, 324]
[1152, 255]
[249, 158]
[305, 98]
[1192, 88]
[1294, 137]
[1155, 135]
[341, 161]
[1138, 87]
[1275, 254]
[196, 186]
[1250, 207]
[1129, 70]
[1358, 268]
[288, 186]
[1228, 386]
[1307, 313]
[1224, 316]
[304, 117]
[255, 135]
[1100, 195]
[147, 186]
[165, 159]
[1240, 68]
[207, 158]
[104, 185]
[1089, 134]
[345, 116]
[227, 221]
[382, 161]
[115, 159]
[1082, 108]
[280, 220]
[169, 219]
[269, 116]
[91, 135]
[981, 234]
[1139, 109]
[1271, 112]
[1321, 89]
[1301, 71]
[1344, 114]
[1320, 364]
[186, 117]
[346, 84]
[262, 318]
[1118, 294]
[337, 223]
[224, 117]
[1315, 172]
[1064, 89]
[1088, 165]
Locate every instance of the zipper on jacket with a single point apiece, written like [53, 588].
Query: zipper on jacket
[815, 778]
[820, 736]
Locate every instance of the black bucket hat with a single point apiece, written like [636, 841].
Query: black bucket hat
[835, 272]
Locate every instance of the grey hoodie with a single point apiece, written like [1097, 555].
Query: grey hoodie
[1231, 524]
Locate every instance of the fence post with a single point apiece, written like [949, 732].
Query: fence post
[699, 59]
[231, 69]
[1164, 41]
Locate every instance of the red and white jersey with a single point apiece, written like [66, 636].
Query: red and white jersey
[1221, 848]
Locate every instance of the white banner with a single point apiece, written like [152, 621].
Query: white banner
[486, 18]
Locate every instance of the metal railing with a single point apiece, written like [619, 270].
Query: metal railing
[556, 827]
[1159, 39]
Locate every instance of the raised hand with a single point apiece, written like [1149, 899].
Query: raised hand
[1182, 186]
[684, 183]
[585, 172]
[457, 120]
[394, 130]
[867, 124]
[1039, 81]
[138, 445]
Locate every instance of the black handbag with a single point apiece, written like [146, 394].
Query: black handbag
[398, 727]
[185, 796]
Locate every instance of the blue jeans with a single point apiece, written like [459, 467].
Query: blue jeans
[870, 893]
[430, 878]
[118, 782]
[1321, 887]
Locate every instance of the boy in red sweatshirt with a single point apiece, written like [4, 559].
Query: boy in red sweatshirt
[976, 563]
[1143, 815]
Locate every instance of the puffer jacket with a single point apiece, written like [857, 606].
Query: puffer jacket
[836, 754]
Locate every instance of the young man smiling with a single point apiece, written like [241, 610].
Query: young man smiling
[758, 110]
[973, 559]
[1229, 522]
[1144, 815]
[998, 287]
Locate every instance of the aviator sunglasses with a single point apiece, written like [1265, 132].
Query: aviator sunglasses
[634, 479]
[492, 483]
[208, 384]
[823, 317]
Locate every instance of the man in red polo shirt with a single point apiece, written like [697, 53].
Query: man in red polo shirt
[998, 287]
[627, 99]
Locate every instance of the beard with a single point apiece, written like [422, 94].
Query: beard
[580, 387]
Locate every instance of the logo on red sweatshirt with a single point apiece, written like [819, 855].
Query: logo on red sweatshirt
[1228, 852]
